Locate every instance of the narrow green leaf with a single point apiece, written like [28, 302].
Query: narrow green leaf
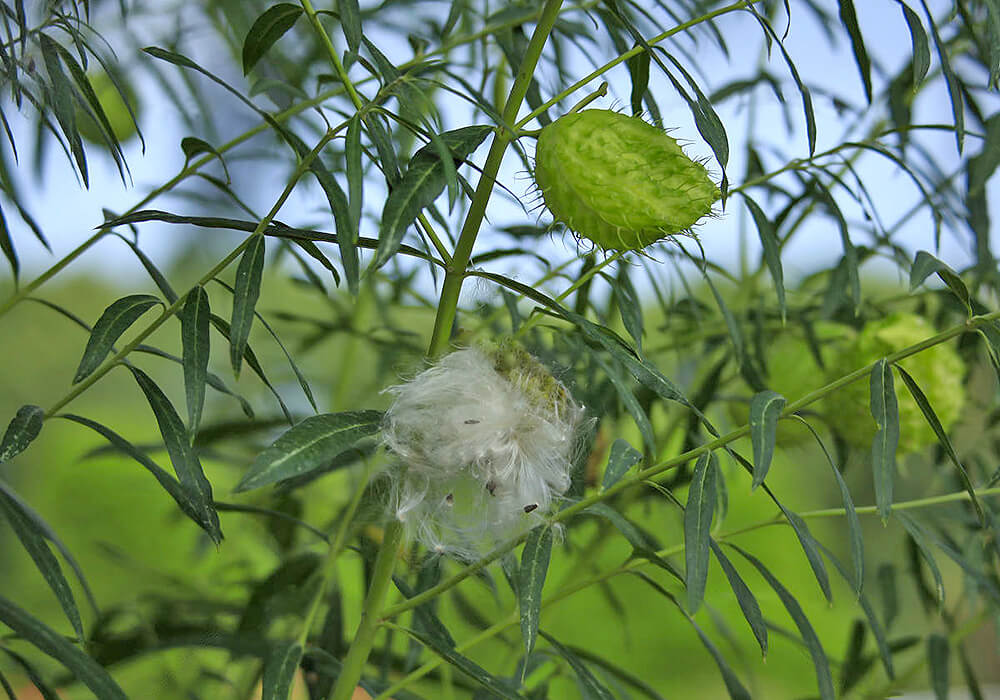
[266, 30]
[350, 22]
[248, 275]
[62, 102]
[886, 577]
[765, 410]
[187, 466]
[7, 246]
[420, 185]
[467, 666]
[195, 343]
[993, 38]
[629, 307]
[379, 135]
[309, 445]
[772, 251]
[531, 579]
[33, 676]
[954, 85]
[115, 320]
[926, 264]
[855, 664]
[22, 429]
[937, 659]
[886, 414]
[697, 525]
[819, 658]
[631, 403]
[918, 40]
[194, 146]
[811, 548]
[33, 541]
[919, 537]
[279, 670]
[621, 458]
[590, 687]
[154, 272]
[849, 18]
[355, 175]
[942, 436]
[747, 602]
[59, 648]
[638, 68]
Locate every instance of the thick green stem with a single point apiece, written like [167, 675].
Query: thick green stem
[357, 656]
[452, 286]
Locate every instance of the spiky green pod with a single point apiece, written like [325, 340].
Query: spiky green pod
[618, 181]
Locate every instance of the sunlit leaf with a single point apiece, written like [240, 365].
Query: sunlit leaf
[279, 670]
[531, 579]
[23, 428]
[621, 458]
[247, 290]
[194, 317]
[115, 320]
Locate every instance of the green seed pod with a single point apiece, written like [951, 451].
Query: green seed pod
[618, 181]
[114, 109]
[938, 371]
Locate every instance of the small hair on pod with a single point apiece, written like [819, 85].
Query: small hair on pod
[485, 440]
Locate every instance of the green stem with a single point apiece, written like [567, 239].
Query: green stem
[216, 269]
[332, 53]
[451, 288]
[357, 656]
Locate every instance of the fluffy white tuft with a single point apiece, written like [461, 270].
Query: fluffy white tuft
[486, 442]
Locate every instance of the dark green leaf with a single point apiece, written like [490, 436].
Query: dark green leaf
[279, 670]
[187, 466]
[919, 537]
[855, 663]
[937, 658]
[590, 687]
[248, 275]
[772, 250]
[765, 410]
[811, 549]
[195, 342]
[820, 662]
[638, 68]
[308, 446]
[59, 648]
[355, 175]
[194, 146]
[631, 403]
[747, 602]
[22, 429]
[154, 273]
[62, 102]
[622, 458]
[115, 320]
[697, 525]
[350, 21]
[531, 579]
[954, 85]
[993, 37]
[886, 577]
[33, 540]
[420, 185]
[886, 414]
[926, 264]
[7, 246]
[918, 39]
[266, 30]
[849, 19]
[630, 308]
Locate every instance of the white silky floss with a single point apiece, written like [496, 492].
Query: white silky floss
[486, 441]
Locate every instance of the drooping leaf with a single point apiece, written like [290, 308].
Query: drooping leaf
[266, 30]
[34, 542]
[621, 458]
[186, 464]
[194, 318]
[531, 579]
[952, 81]
[309, 445]
[23, 428]
[697, 525]
[886, 577]
[420, 185]
[920, 538]
[937, 658]
[115, 320]
[638, 68]
[747, 602]
[885, 411]
[59, 648]
[355, 175]
[811, 549]
[918, 39]
[247, 291]
[350, 21]
[926, 264]
[193, 146]
[279, 670]
[631, 403]
[62, 102]
[590, 687]
[765, 410]
[849, 18]
[772, 250]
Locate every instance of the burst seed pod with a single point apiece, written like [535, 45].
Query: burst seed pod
[618, 181]
[486, 440]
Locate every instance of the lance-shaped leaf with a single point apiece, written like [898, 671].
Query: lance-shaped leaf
[59, 648]
[115, 320]
[33, 540]
[937, 658]
[849, 19]
[248, 274]
[590, 687]
[885, 411]
[622, 458]
[925, 265]
[195, 343]
[765, 410]
[697, 525]
[22, 429]
[309, 445]
[920, 47]
[420, 185]
[187, 466]
[772, 250]
[279, 670]
[531, 579]
[744, 597]
[266, 30]
[920, 539]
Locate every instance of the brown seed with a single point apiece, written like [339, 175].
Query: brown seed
[530, 507]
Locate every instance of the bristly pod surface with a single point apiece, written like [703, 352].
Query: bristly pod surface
[618, 181]
[486, 440]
